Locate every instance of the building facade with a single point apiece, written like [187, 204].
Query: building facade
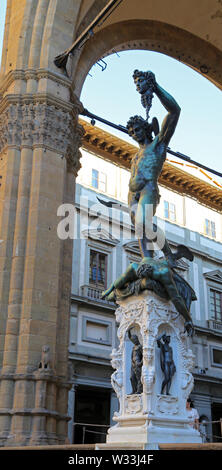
[104, 246]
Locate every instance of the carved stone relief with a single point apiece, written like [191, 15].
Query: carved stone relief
[152, 316]
[134, 404]
[167, 404]
[43, 124]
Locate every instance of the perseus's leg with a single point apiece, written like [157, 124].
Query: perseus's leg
[138, 220]
[144, 224]
[161, 241]
[119, 283]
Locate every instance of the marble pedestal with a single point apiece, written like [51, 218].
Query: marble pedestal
[151, 418]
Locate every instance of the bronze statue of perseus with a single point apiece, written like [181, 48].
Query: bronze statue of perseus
[143, 198]
[147, 164]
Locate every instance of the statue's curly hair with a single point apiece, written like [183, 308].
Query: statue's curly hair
[142, 122]
[139, 73]
[148, 75]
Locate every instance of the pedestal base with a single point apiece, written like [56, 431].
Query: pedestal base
[151, 418]
[147, 433]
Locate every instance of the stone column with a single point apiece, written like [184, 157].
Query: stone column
[39, 145]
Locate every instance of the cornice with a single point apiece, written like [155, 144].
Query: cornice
[100, 235]
[34, 74]
[107, 145]
[37, 375]
[99, 304]
[215, 275]
[28, 98]
[207, 378]
[207, 331]
[132, 247]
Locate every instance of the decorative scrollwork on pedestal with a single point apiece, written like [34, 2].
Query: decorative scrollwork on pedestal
[127, 316]
[167, 404]
[117, 376]
[133, 404]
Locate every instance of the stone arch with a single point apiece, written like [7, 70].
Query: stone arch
[149, 35]
[59, 30]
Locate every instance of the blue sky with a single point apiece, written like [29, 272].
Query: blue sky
[111, 94]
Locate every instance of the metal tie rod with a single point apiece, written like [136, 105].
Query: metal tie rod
[61, 60]
[121, 128]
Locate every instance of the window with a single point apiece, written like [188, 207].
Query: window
[217, 356]
[95, 178]
[97, 331]
[102, 182]
[216, 304]
[98, 269]
[169, 211]
[210, 228]
[99, 180]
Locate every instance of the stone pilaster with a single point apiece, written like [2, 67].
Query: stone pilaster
[39, 146]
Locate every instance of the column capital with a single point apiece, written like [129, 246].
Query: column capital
[42, 121]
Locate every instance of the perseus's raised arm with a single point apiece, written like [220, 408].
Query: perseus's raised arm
[146, 85]
[171, 119]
